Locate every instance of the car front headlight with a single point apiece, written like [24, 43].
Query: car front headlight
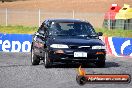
[58, 46]
[98, 47]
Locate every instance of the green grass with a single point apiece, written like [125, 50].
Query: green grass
[115, 32]
[31, 30]
[18, 29]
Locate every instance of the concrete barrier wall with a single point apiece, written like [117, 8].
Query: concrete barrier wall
[22, 43]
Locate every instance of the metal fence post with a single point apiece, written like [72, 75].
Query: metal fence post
[109, 22]
[39, 17]
[6, 17]
[73, 14]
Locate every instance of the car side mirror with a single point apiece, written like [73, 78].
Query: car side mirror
[40, 34]
[100, 33]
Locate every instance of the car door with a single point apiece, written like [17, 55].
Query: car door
[39, 41]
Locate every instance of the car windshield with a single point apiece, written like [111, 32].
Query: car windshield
[72, 29]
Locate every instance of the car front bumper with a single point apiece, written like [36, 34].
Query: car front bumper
[68, 55]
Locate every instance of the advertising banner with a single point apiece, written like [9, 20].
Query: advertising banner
[118, 46]
[15, 42]
[22, 43]
[122, 46]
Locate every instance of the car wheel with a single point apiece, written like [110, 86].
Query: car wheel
[100, 63]
[35, 60]
[47, 62]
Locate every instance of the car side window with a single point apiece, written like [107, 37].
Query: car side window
[43, 30]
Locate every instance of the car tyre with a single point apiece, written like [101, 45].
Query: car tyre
[35, 60]
[47, 62]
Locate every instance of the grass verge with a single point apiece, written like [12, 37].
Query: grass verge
[31, 30]
[18, 29]
[115, 32]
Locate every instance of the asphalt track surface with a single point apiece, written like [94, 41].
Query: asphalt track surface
[16, 71]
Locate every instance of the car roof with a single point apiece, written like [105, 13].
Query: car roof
[64, 20]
